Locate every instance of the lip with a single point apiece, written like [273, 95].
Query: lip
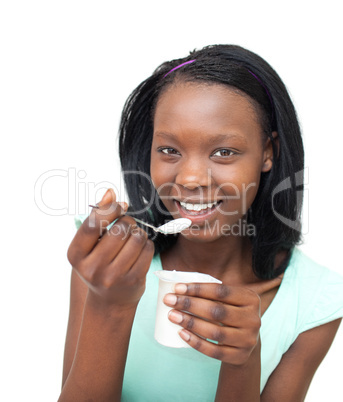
[199, 217]
[196, 201]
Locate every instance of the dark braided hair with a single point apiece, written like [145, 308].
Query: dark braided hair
[280, 189]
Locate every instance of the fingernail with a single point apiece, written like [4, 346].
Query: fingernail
[184, 335]
[175, 316]
[180, 288]
[107, 198]
[170, 299]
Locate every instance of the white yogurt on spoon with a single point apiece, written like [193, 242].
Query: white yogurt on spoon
[171, 227]
[175, 226]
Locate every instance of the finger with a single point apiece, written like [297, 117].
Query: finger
[130, 252]
[223, 335]
[93, 227]
[226, 314]
[220, 352]
[95, 267]
[112, 242]
[143, 262]
[233, 295]
[137, 266]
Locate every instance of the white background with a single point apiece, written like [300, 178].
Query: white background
[66, 69]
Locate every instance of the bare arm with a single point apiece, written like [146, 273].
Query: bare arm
[292, 377]
[241, 383]
[98, 365]
[78, 294]
[239, 346]
[107, 282]
[231, 316]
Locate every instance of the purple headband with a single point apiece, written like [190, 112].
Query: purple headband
[180, 65]
[267, 92]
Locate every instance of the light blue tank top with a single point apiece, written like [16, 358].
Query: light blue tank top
[309, 295]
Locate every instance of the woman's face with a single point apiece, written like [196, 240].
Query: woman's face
[207, 155]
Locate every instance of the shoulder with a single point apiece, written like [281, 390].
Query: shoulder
[305, 266]
[317, 291]
[292, 377]
[309, 311]
[310, 275]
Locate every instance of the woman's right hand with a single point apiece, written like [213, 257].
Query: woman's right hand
[113, 263]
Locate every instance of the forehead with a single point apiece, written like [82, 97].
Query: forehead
[212, 107]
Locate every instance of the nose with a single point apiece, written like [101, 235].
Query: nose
[194, 174]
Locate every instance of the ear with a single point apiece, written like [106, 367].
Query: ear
[268, 155]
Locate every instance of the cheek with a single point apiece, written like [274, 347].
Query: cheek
[239, 186]
[162, 175]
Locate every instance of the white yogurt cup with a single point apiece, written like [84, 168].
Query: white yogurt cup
[166, 332]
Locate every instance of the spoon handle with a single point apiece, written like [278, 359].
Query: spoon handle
[146, 224]
[136, 219]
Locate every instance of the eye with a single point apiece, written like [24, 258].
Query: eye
[168, 151]
[224, 152]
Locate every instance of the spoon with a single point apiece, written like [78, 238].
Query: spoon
[174, 226]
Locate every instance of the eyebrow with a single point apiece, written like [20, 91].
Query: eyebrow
[212, 140]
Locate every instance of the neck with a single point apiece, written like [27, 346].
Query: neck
[228, 258]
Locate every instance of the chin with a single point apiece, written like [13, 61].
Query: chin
[209, 232]
[203, 235]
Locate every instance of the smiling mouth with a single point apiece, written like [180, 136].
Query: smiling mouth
[197, 208]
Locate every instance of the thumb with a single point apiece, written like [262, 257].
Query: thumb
[108, 198]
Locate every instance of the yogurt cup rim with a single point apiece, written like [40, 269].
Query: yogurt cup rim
[200, 277]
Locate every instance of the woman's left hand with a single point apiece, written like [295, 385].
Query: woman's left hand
[229, 315]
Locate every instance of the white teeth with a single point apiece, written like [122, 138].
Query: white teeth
[197, 207]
